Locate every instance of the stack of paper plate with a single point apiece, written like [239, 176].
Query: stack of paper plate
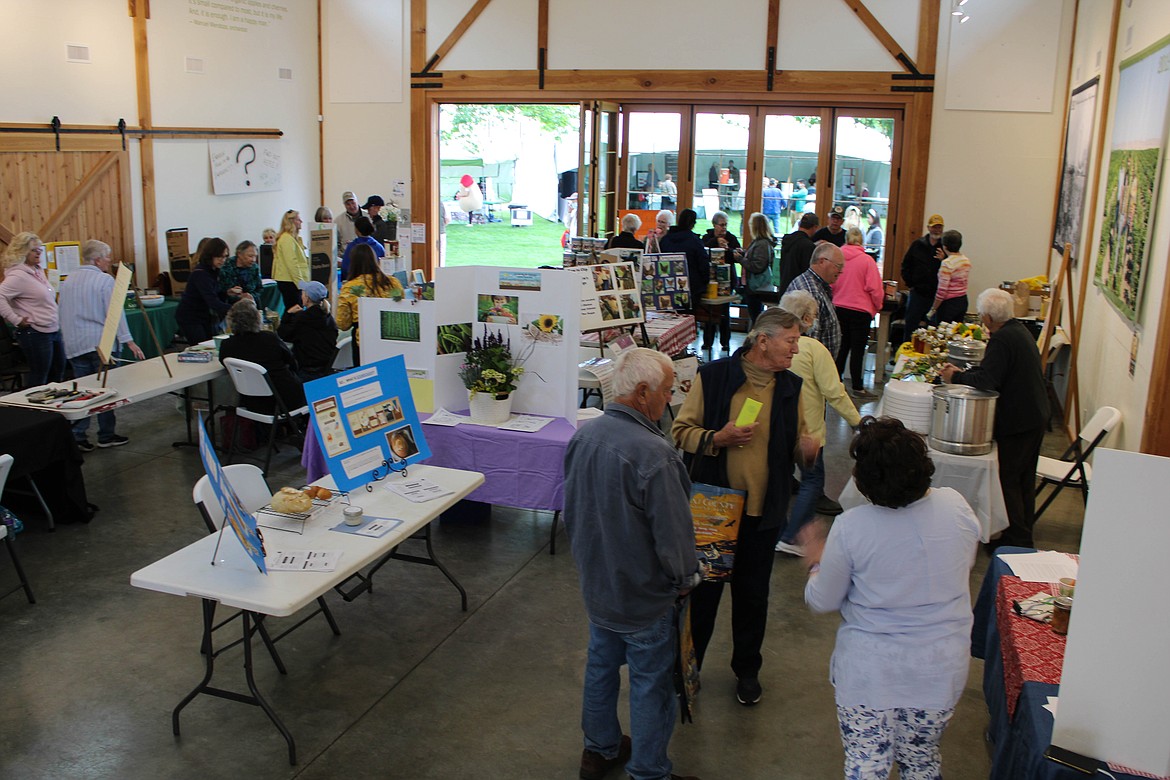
[910, 402]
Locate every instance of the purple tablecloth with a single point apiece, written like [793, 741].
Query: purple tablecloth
[523, 470]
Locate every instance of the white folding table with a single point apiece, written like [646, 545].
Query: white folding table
[137, 382]
[234, 581]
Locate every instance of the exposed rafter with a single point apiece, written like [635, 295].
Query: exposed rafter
[452, 39]
[883, 36]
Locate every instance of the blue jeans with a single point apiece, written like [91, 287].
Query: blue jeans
[775, 220]
[84, 365]
[804, 503]
[917, 306]
[45, 353]
[650, 655]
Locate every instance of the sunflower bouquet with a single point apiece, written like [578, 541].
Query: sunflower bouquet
[491, 367]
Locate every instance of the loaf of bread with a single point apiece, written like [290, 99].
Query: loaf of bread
[292, 501]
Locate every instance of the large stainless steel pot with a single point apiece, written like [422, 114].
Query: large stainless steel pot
[962, 421]
[966, 353]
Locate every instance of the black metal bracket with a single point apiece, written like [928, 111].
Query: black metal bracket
[56, 125]
[541, 65]
[122, 132]
[771, 67]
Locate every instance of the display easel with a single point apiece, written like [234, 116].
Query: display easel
[114, 313]
[1072, 332]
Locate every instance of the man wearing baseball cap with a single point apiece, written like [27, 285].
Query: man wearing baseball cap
[920, 273]
[382, 228]
[834, 233]
[346, 231]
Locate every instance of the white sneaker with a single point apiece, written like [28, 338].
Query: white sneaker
[790, 549]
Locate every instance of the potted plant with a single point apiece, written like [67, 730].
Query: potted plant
[490, 373]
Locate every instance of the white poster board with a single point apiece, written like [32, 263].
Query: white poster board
[536, 309]
[1114, 690]
[245, 166]
[610, 294]
[114, 313]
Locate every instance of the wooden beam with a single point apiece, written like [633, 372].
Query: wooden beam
[40, 142]
[68, 205]
[772, 41]
[927, 54]
[542, 39]
[320, 112]
[418, 35]
[883, 36]
[446, 46]
[141, 14]
[6, 234]
[805, 86]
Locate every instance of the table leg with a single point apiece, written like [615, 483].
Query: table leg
[883, 341]
[252, 623]
[258, 699]
[366, 581]
[552, 539]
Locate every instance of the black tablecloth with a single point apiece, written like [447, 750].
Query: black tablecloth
[41, 445]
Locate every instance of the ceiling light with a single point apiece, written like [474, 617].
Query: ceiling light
[956, 13]
[965, 18]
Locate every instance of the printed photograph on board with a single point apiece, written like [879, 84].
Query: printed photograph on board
[400, 326]
[501, 309]
[401, 441]
[375, 417]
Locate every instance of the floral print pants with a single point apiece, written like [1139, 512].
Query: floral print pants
[874, 739]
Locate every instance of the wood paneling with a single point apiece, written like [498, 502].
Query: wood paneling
[67, 196]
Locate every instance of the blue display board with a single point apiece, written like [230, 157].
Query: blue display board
[240, 521]
[365, 419]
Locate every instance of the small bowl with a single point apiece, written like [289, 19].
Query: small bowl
[150, 301]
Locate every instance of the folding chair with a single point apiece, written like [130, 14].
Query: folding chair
[251, 379]
[344, 358]
[248, 483]
[9, 542]
[1071, 469]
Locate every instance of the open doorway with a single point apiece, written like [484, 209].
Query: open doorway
[507, 182]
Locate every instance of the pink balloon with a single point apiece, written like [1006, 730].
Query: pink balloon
[466, 181]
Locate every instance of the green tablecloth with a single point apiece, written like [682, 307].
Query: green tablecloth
[270, 298]
[161, 317]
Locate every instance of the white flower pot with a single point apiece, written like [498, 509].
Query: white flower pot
[486, 409]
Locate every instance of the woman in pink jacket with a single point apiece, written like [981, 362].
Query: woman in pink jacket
[857, 297]
[29, 303]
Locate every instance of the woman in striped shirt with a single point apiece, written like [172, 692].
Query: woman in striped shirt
[950, 301]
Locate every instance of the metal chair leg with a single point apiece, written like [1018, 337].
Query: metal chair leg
[19, 570]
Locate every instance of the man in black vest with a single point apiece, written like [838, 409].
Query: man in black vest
[796, 250]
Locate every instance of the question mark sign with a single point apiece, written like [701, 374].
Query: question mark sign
[249, 162]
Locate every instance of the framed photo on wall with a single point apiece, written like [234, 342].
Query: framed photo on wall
[1074, 169]
[1135, 167]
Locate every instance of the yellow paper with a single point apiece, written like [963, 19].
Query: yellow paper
[749, 412]
[423, 391]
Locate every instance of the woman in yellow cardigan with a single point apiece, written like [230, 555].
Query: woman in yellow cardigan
[366, 280]
[290, 262]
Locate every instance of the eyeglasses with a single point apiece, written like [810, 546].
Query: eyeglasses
[719, 224]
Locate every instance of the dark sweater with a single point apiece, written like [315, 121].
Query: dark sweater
[721, 379]
[266, 349]
[687, 242]
[313, 335]
[1011, 367]
[796, 250]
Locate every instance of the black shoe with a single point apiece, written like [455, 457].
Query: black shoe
[748, 691]
[827, 506]
[85, 445]
[115, 441]
[595, 766]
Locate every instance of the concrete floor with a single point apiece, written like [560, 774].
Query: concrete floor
[414, 688]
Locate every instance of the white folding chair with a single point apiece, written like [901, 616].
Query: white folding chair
[344, 358]
[248, 483]
[9, 542]
[1071, 469]
[251, 379]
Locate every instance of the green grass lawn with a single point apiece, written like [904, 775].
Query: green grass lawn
[500, 244]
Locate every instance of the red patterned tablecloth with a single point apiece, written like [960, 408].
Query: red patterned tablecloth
[669, 333]
[1031, 651]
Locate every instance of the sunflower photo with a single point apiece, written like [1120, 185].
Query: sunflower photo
[545, 328]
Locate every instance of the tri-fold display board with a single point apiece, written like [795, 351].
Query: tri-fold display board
[538, 310]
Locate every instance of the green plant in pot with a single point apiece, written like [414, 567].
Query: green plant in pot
[491, 367]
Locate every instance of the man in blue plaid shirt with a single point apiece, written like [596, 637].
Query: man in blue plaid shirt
[824, 268]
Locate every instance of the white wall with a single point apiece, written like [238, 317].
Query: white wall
[992, 174]
[239, 89]
[1106, 336]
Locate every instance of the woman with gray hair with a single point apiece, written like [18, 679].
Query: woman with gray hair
[249, 341]
[756, 457]
[626, 238]
[1011, 367]
[662, 223]
[822, 383]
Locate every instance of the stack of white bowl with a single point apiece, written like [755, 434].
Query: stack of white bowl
[910, 402]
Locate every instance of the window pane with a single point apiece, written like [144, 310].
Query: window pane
[861, 177]
[651, 157]
[721, 142]
[791, 149]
